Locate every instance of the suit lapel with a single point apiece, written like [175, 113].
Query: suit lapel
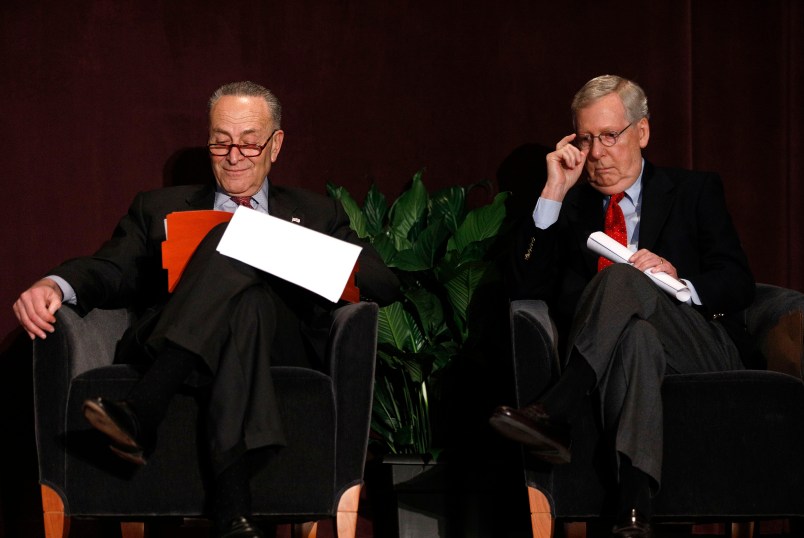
[281, 207]
[204, 198]
[586, 216]
[658, 195]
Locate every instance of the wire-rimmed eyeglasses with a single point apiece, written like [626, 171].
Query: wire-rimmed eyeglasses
[246, 150]
[608, 139]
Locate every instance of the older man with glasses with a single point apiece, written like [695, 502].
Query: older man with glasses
[622, 333]
[226, 322]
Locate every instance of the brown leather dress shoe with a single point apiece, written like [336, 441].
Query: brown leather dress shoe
[118, 422]
[532, 426]
[633, 526]
[240, 527]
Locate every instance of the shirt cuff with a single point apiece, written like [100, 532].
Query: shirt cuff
[694, 299]
[546, 213]
[67, 292]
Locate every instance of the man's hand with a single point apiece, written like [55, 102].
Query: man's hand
[643, 259]
[564, 167]
[36, 307]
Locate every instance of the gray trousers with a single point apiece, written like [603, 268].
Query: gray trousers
[632, 334]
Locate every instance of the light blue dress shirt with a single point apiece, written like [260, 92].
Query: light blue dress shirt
[223, 200]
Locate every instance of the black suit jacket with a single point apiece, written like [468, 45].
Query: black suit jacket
[684, 219]
[127, 270]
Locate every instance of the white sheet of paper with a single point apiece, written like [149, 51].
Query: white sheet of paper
[312, 260]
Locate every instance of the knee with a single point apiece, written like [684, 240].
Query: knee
[626, 279]
[213, 237]
[640, 347]
[256, 300]
[617, 272]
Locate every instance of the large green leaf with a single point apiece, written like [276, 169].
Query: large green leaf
[385, 247]
[408, 211]
[480, 224]
[431, 314]
[448, 205]
[415, 366]
[461, 286]
[357, 220]
[443, 354]
[375, 209]
[471, 253]
[421, 255]
[398, 328]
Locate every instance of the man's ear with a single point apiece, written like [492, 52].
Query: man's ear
[276, 144]
[643, 128]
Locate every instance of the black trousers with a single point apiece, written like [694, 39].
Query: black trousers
[632, 334]
[238, 321]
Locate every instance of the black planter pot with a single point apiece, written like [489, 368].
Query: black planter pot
[412, 498]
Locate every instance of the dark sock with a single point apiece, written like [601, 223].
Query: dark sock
[151, 395]
[635, 488]
[232, 497]
[563, 400]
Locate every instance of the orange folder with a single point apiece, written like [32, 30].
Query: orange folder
[186, 229]
[351, 293]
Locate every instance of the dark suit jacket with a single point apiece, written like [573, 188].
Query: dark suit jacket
[684, 219]
[127, 270]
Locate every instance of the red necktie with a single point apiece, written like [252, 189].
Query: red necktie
[245, 201]
[614, 226]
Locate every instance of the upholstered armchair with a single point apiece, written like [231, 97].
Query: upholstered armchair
[733, 440]
[318, 475]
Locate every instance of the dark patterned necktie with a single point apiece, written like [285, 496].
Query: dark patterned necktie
[614, 226]
[243, 200]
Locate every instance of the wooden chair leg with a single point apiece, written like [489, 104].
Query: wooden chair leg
[575, 529]
[132, 529]
[744, 529]
[57, 525]
[541, 518]
[346, 522]
[346, 519]
[308, 529]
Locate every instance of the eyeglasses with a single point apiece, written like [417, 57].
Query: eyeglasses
[584, 141]
[246, 150]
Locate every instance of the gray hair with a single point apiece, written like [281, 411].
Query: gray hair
[247, 88]
[631, 94]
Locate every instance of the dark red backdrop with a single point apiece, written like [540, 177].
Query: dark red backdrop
[98, 95]
[96, 98]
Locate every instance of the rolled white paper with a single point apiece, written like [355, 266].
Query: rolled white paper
[605, 246]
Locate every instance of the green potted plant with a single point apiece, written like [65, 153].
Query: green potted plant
[442, 254]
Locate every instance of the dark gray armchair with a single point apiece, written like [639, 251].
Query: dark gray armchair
[733, 440]
[317, 475]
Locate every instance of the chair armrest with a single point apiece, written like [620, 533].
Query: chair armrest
[91, 339]
[535, 348]
[77, 345]
[352, 352]
[776, 320]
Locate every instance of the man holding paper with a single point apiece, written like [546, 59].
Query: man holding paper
[622, 333]
[225, 322]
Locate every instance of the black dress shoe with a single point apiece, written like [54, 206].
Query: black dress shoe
[634, 525]
[532, 426]
[118, 422]
[240, 527]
